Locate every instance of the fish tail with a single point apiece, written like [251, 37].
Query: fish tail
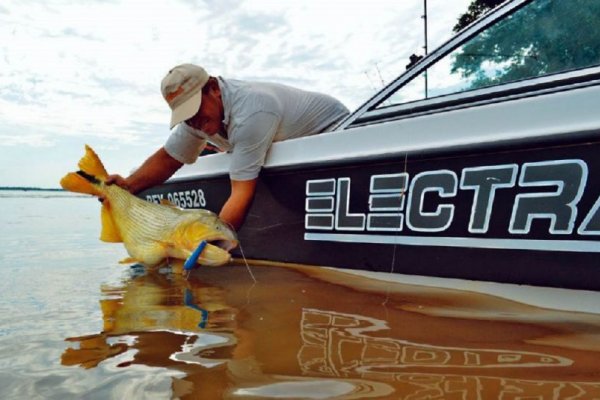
[76, 182]
[91, 165]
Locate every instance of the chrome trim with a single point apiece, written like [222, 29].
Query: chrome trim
[511, 91]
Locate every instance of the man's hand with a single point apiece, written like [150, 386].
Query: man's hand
[117, 180]
[154, 171]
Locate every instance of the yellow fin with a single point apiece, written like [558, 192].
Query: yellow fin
[77, 183]
[90, 164]
[110, 232]
[165, 202]
[129, 260]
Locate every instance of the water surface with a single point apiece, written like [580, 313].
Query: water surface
[74, 323]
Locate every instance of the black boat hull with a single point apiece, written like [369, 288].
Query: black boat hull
[539, 227]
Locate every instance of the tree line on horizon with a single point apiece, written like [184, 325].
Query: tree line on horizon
[31, 188]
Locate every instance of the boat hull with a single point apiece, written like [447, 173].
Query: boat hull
[514, 213]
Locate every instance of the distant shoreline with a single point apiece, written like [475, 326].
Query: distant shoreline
[31, 189]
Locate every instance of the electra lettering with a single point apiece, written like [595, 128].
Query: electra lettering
[548, 192]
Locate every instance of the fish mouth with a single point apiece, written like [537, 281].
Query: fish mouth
[217, 251]
[224, 244]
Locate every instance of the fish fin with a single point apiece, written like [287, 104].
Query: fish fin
[74, 182]
[167, 203]
[174, 249]
[90, 164]
[178, 253]
[110, 232]
[169, 247]
[129, 260]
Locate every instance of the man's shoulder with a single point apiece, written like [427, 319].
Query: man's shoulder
[262, 88]
[248, 97]
[241, 88]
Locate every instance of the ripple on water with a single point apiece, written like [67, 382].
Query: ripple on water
[302, 333]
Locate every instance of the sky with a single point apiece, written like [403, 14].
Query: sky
[89, 71]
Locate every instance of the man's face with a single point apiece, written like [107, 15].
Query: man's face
[209, 118]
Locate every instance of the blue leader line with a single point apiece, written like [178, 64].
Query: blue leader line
[193, 259]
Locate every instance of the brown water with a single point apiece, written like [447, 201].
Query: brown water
[309, 333]
[75, 324]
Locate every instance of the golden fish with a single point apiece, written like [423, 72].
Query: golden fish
[150, 232]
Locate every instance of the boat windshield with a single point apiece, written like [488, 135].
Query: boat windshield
[542, 38]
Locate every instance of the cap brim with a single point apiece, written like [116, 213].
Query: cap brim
[187, 109]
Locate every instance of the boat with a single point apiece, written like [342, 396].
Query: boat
[480, 162]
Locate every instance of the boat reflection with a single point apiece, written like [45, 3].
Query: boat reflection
[339, 345]
[297, 334]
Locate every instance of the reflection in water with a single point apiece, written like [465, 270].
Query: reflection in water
[299, 334]
[348, 334]
[336, 345]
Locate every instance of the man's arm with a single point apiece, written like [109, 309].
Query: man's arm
[159, 167]
[254, 138]
[235, 208]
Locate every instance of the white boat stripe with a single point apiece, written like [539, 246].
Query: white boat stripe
[550, 245]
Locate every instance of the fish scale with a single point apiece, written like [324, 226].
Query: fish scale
[140, 232]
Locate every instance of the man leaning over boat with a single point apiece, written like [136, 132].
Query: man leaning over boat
[240, 117]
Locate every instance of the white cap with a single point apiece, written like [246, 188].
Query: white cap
[182, 89]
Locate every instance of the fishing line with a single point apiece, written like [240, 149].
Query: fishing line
[248, 296]
[243, 256]
[246, 262]
[402, 195]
